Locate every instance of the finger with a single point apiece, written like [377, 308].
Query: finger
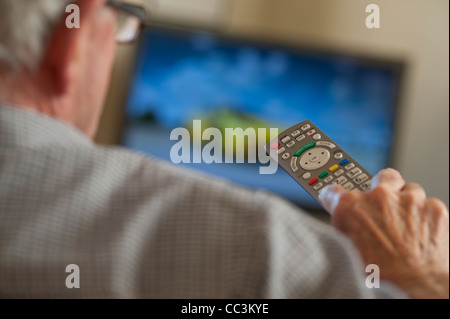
[436, 220]
[330, 196]
[416, 190]
[437, 206]
[389, 178]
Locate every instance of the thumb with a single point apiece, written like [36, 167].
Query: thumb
[330, 197]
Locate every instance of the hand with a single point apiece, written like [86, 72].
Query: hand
[395, 226]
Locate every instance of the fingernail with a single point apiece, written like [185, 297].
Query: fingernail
[323, 192]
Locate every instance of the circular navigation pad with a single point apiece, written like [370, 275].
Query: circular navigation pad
[314, 158]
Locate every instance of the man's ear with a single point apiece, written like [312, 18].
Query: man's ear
[64, 50]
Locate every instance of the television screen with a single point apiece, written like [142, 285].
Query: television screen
[226, 82]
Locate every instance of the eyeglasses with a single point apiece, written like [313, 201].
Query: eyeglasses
[130, 21]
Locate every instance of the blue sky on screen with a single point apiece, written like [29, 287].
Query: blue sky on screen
[181, 76]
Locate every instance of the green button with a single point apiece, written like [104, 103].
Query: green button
[323, 174]
[304, 148]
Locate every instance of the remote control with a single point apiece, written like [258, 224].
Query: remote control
[315, 161]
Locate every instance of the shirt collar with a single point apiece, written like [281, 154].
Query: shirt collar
[20, 127]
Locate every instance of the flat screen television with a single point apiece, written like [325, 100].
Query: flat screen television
[183, 74]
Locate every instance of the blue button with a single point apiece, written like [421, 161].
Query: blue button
[343, 162]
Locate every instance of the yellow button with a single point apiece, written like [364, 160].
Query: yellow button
[333, 168]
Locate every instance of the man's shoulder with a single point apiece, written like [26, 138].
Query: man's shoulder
[142, 165]
[141, 173]
[141, 170]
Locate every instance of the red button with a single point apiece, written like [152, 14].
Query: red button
[275, 146]
[313, 181]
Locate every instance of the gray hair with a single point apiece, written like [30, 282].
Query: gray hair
[25, 26]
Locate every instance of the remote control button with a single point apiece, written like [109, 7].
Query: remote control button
[327, 144]
[290, 144]
[306, 127]
[339, 173]
[304, 148]
[314, 159]
[285, 139]
[343, 162]
[306, 176]
[341, 180]
[313, 181]
[275, 146]
[294, 167]
[354, 172]
[311, 132]
[338, 156]
[349, 186]
[365, 186]
[301, 138]
[361, 178]
[317, 137]
[318, 186]
[285, 156]
[350, 166]
[281, 151]
[322, 175]
[333, 168]
[328, 179]
[295, 133]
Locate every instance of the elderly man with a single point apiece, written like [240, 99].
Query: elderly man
[139, 228]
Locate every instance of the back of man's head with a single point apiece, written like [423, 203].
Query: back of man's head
[52, 68]
[26, 26]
